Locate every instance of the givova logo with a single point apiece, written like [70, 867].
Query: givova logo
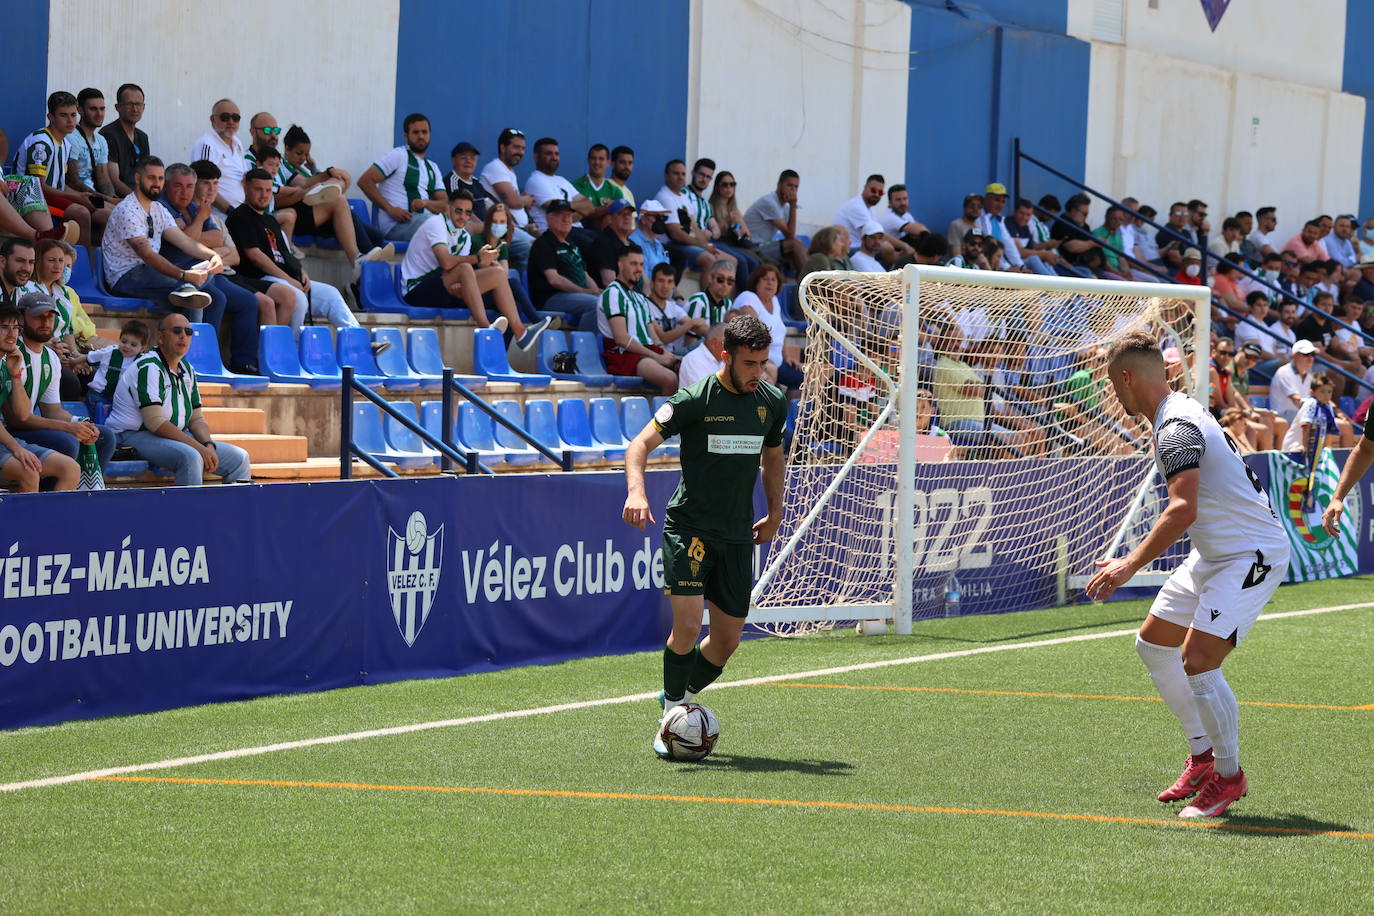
[413, 564]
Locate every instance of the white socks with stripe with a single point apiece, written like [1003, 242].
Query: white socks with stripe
[1165, 664]
[1217, 707]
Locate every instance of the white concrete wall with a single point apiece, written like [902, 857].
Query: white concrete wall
[819, 86]
[343, 93]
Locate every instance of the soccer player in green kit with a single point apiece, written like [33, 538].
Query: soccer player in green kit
[730, 422]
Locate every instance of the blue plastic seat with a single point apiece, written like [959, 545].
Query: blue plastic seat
[634, 415]
[393, 362]
[671, 447]
[1260, 401]
[102, 295]
[316, 350]
[575, 428]
[204, 356]
[489, 359]
[378, 291]
[551, 343]
[1348, 405]
[369, 435]
[542, 422]
[790, 300]
[402, 438]
[587, 346]
[419, 311]
[134, 468]
[432, 419]
[605, 419]
[474, 422]
[353, 346]
[422, 346]
[277, 359]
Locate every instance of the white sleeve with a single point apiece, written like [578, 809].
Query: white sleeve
[101, 356]
[390, 161]
[669, 202]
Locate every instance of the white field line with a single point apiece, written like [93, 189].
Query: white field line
[174, 762]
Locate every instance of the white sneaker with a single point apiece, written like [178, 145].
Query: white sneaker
[380, 253]
[322, 193]
[500, 324]
[187, 296]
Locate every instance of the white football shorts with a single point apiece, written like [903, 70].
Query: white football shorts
[1222, 597]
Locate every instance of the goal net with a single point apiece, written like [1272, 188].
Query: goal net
[958, 447]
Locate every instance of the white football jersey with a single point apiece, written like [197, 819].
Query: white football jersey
[1234, 515]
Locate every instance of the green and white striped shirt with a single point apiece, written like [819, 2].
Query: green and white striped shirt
[420, 261]
[617, 301]
[700, 305]
[150, 382]
[41, 384]
[405, 177]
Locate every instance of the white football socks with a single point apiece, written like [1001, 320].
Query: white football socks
[1217, 707]
[1165, 664]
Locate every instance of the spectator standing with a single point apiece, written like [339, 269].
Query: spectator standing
[222, 146]
[776, 213]
[761, 296]
[23, 466]
[599, 190]
[157, 411]
[958, 228]
[133, 239]
[127, 142]
[630, 339]
[559, 281]
[406, 187]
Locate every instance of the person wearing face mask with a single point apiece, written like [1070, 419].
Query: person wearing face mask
[496, 232]
[1191, 272]
[651, 234]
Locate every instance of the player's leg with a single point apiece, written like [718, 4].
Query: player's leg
[684, 559]
[1159, 645]
[728, 583]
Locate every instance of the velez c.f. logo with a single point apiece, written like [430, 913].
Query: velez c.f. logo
[413, 563]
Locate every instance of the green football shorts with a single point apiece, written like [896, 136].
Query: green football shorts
[723, 573]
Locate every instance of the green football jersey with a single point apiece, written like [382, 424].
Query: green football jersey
[601, 196]
[723, 436]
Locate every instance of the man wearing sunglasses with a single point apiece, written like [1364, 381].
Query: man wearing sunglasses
[222, 146]
[157, 413]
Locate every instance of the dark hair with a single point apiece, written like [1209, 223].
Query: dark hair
[137, 329]
[266, 152]
[1051, 203]
[932, 245]
[1243, 214]
[746, 330]
[1257, 295]
[543, 142]
[598, 146]
[875, 177]
[1230, 223]
[628, 250]
[1271, 256]
[1313, 222]
[8, 245]
[1136, 343]
[60, 99]
[257, 175]
[662, 267]
[1147, 211]
[1321, 380]
[85, 95]
[10, 312]
[1195, 203]
[1323, 295]
[895, 188]
[1076, 201]
[1225, 266]
[752, 283]
[1022, 202]
[413, 118]
[295, 136]
[205, 169]
[119, 93]
[620, 151]
[509, 134]
[141, 164]
[672, 162]
[1262, 212]
[709, 163]
[786, 174]
[459, 194]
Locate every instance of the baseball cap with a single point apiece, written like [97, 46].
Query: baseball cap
[1367, 259]
[619, 205]
[464, 147]
[557, 205]
[1192, 253]
[1251, 349]
[652, 206]
[996, 188]
[872, 227]
[1305, 347]
[36, 302]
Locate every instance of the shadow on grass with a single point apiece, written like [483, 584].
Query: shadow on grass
[1281, 825]
[1014, 637]
[774, 765]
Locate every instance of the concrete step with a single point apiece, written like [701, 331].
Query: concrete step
[226, 420]
[269, 449]
[323, 468]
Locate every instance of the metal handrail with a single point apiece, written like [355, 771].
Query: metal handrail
[564, 461]
[348, 449]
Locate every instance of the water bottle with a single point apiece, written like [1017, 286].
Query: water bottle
[953, 597]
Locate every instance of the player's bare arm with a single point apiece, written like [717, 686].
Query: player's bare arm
[1356, 464]
[1173, 522]
[636, 511]
[774, 469]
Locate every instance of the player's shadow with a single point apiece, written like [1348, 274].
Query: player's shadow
[1283, 825]
[775, 765]
[1028, 635]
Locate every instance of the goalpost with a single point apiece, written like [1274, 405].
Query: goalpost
[1041, 473]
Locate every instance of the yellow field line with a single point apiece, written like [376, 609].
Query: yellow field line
[764, 802]
[1060, 696]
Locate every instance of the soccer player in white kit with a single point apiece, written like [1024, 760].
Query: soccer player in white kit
[1239, 557]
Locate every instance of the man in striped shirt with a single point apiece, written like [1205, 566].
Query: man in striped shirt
[629, 333]
[22, 465]
[157, 413]
[406, 187]
[43, 155]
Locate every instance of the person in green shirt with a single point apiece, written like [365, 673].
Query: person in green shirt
[728, 422]
[595, 186]
[1110, 233]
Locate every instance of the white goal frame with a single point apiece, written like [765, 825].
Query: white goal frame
[899, 611]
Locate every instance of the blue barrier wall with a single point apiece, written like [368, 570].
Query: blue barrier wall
[24, 50]
[580, 71]
[1358, 79]
[979, 81]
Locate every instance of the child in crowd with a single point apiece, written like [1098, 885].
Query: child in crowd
[1317, 411]
[109, 362]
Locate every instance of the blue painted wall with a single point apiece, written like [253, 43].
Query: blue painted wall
[977, 84]
[580, 71]
[24, 49]
[1358, 79]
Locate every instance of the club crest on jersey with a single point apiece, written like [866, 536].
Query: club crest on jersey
[696, 568]
[763, 413]
[413, 563]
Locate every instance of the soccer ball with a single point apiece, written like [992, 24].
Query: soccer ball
[690, 732]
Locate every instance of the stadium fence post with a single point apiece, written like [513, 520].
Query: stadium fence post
[346, 425]
[906, 452]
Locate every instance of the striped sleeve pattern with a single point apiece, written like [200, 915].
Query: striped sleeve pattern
[150, 384]
[1180, 446]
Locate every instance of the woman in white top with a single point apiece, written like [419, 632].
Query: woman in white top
[761, 295]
